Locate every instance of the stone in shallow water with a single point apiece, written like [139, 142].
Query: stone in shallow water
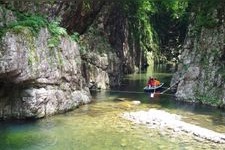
[163, 120]
[120, 99]
[136, 102]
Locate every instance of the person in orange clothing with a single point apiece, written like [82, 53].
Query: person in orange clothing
[153, 82]
[156, 82]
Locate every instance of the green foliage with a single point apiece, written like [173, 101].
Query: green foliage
[87, 5]
[206, 21]
[18, 29]
[142, 14]
[176, 7]
[204, 11]
[57, 32]
[75, 36]
[138, 12]
[34, 22]
[205, 99]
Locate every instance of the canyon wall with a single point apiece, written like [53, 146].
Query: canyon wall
[200, 75]
[36, 78]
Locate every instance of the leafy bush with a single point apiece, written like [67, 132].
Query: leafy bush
[56, 32]
[205, 10]
[35, 22]
[75, 36]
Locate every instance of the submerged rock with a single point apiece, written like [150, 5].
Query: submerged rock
[161, 119]
[136, 102]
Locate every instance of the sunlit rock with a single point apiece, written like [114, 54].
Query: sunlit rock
[136, 102]
[200, 73]
[37, 80]
[162, 120]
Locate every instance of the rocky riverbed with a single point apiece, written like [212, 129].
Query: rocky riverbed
[163, 120]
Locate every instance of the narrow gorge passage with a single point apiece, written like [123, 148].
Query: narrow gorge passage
[100, 125]
[69, 70]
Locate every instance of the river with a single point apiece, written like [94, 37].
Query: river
[98, 126]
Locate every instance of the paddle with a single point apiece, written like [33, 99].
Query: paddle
[152, 94]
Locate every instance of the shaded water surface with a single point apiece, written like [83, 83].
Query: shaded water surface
[98, 126]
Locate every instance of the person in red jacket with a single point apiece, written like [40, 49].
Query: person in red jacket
[150, 82]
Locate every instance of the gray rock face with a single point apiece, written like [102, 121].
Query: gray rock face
[36, 80]
[102, 65]
[201, 70]
[106, 34]
[111, 50]
[102, 71]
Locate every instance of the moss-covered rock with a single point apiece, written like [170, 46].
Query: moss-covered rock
[206, 53]
[36, 73]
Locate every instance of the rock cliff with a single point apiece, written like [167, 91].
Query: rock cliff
[111, 44]
[200, 74]
[107, 54]
[36, 79]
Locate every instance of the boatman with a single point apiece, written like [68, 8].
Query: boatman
[152, 82]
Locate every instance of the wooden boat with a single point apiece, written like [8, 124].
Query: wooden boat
[151, 89]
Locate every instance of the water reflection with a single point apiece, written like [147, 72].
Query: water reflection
[98, 126]
[202, 115]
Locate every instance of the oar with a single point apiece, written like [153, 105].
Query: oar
[152, 94]
[171, 86]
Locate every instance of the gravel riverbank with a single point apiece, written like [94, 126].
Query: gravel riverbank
[163, 120]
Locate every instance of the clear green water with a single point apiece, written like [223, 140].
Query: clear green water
[98, 126]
